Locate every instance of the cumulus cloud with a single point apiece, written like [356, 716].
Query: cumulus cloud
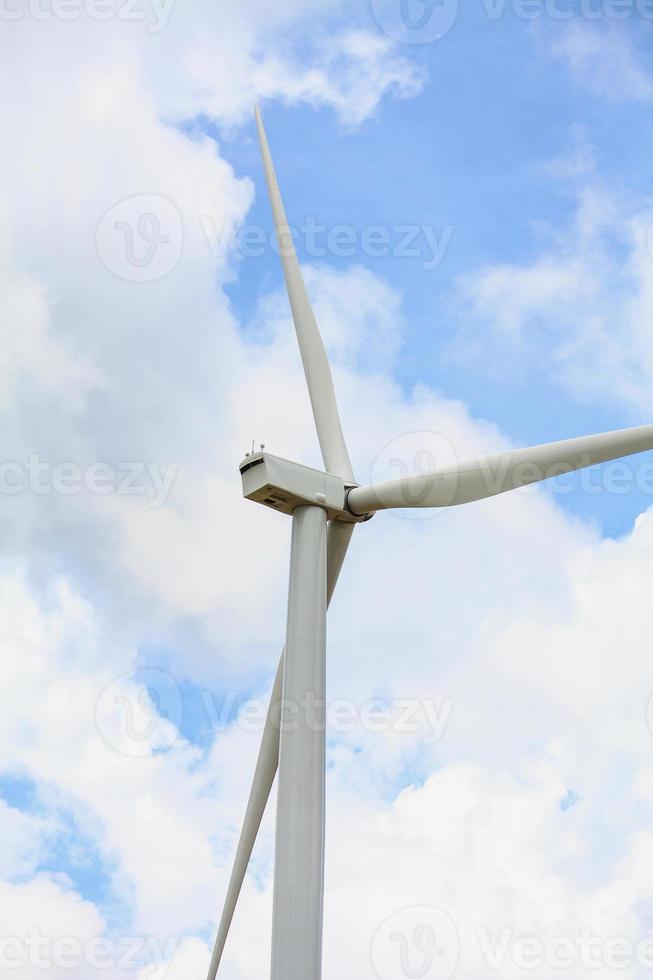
[605, 59]
[581, 309]
[350, 72]
[43, 922]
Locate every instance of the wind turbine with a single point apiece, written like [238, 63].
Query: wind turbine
[325, 507]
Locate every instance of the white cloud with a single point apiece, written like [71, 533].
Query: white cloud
[581, 309]
[605, 60]
[23, 835]
[550, 602]
[300, 53]
[359, 315]
[40, 919]
[350, 72]
[149, 371]
[190, 959]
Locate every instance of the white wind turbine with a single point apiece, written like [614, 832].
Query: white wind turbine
[325, 507]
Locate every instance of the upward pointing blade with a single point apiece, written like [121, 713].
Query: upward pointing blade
[314, 358]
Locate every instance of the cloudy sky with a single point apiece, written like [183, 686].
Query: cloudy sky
[470, 190]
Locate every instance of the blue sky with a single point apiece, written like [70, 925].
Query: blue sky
[470, 154]
[137, 627]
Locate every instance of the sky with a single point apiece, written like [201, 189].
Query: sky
[468, 185]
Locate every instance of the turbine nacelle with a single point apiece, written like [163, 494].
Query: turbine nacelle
[284, 486]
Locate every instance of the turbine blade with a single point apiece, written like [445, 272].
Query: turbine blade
[314, 357]
[266, 770]
[338, 538]
[490, 475]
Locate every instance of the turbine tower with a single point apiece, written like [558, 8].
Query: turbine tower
[325, 507]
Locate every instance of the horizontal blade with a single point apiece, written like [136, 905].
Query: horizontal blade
[490, 475]
[339, 536]
[314, 357]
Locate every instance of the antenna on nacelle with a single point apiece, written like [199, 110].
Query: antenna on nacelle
[252, 451]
